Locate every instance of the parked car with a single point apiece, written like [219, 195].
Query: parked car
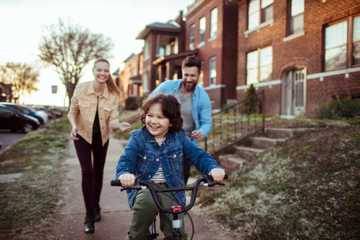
[41, 116]
[11, 120]
[47, 111]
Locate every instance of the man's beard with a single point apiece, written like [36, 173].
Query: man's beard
[189, 89]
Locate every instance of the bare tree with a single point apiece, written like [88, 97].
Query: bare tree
[22, 76]
[69, 49]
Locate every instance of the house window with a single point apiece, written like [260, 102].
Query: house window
[147, 50]
[161, 50]
[214, 20]
[297, 16]
[192, 37]
[259, 65]
[260, 11]
[201, 77]
[202, 28]
[356, 41]
[145, 83]
[338, 44]
[212, 71]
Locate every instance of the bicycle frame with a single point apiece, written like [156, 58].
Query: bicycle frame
[174, 210]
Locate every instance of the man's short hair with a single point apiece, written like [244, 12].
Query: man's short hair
[192, 61]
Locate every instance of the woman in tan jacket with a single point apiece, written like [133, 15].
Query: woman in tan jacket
[93, 112]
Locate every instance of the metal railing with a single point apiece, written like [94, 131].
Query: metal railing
[236, 123]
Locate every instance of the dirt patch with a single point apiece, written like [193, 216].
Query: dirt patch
[29, 204]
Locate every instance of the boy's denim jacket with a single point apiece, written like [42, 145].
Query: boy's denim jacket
[142, 157]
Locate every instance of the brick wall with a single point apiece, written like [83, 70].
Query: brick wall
[305, 50]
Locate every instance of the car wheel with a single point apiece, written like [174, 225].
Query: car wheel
[27, 127]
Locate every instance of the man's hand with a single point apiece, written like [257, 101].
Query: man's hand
[218, 174]
[127, 180]
[197, 134]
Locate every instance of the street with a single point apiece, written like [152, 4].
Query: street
[8, 138]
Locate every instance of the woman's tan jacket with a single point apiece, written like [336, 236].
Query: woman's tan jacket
[83, 108]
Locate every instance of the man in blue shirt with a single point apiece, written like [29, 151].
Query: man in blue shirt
[195, 103]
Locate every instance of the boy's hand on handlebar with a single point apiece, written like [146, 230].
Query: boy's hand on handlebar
[218, 174]
[127, 180]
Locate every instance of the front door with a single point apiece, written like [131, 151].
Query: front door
[294, 92]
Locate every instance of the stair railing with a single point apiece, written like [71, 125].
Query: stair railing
[236, 123]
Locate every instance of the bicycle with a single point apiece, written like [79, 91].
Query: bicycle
[174, 210]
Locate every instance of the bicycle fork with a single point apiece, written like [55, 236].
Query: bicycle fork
[176, 223]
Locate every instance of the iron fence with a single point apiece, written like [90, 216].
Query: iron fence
[236, 123]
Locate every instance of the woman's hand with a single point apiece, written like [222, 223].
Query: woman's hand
[218, 174]
[73, 133]
[124, 126]
[127, 180]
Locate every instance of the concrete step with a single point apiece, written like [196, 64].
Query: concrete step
[265, 142]
[231, 161]
[282, 132]
[249, 153]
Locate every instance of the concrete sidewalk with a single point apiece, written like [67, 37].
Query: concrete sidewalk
[115, 212]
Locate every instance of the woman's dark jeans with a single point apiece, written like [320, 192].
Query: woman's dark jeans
[92, 171]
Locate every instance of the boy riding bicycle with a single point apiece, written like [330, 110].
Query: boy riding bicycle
[155, 154]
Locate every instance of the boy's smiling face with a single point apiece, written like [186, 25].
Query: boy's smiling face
[155, 121]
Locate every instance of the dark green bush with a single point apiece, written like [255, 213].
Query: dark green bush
[133, 102]
[249, 106]
[340, 108]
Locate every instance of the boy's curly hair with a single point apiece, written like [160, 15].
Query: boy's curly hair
[170, 108]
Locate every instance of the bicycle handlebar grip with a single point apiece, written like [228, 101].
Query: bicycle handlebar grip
[115, 183]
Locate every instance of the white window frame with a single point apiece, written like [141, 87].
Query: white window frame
[202, 30]
[212, 71]
[192, 37]
[297, 9]
[256, 11]
[258, 64]
[213, 23]
[342, 41]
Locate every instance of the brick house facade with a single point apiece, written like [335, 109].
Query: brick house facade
[216, 42]
[301, 53]
[209, 32]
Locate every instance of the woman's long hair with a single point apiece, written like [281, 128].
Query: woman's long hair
[110, 81]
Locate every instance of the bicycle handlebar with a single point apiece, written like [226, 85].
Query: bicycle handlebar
[207, 179]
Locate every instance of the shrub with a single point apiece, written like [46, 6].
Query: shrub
[133, 102]
[340, 108]
[249, 106]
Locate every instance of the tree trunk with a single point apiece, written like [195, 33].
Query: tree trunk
[70, 88]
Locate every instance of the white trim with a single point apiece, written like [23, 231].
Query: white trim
[257, 85]
[194, 6]
[332, 73]
[293, 36]
[287, 116]
[211, 39]
[257, 28]
[214, 86]
[201, 44]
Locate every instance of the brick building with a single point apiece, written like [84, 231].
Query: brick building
[128, 77]
[302, 53]
[209, 32]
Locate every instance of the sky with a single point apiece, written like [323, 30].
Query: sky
[23, 22]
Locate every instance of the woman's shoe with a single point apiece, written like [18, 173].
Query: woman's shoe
[89, 224]
[97, 216]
